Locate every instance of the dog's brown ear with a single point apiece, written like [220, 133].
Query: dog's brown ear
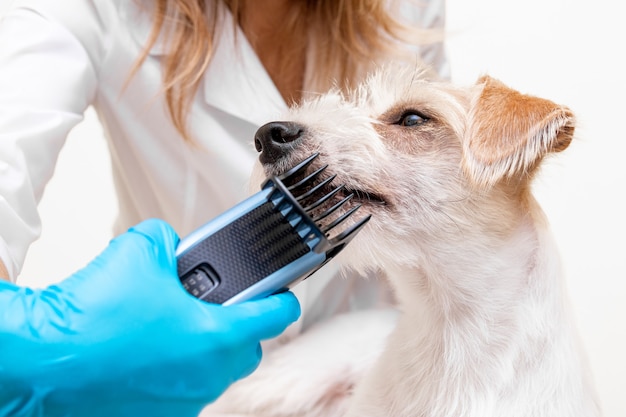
[509, 133]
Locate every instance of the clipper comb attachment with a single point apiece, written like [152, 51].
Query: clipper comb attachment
[314, 202]
[268, 242]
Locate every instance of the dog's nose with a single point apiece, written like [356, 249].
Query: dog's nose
[274, 140]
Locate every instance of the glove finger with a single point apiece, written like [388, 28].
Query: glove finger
[159, 234]
[267, 317]
[152, 242]
[255, 360]
[146, 245]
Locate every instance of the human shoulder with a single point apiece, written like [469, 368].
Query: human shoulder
[89, 21]
[73, 13]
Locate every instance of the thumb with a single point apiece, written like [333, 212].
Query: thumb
[148, 244]
[158, 234]
[152, 242]
[268, 317]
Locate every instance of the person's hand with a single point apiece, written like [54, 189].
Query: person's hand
[122, 337]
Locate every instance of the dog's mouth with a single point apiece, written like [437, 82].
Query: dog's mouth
[370, 197]
[317, 185]
[362, 196]
[334, 206]
[329, 199]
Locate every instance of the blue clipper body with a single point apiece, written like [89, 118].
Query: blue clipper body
[266, 243]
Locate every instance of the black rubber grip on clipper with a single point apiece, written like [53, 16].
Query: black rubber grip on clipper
[241, 254]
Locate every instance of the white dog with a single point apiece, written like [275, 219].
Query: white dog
[483, 327]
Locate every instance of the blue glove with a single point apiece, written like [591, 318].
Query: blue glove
[122, 337]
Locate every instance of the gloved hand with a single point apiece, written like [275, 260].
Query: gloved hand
[121, 337]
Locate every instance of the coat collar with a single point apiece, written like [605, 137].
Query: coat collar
[237, 83]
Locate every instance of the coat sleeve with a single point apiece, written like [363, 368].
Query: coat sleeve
[47, 80]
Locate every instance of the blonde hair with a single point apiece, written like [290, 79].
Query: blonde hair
[349, 36]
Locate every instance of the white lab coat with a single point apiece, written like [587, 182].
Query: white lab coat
[57, 58]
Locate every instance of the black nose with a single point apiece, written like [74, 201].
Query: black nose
[274, 140]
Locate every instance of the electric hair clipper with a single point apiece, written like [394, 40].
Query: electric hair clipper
[267, 243]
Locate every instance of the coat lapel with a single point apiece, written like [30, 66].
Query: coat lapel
[237, 83]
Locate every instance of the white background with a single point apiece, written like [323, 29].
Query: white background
[571, 52]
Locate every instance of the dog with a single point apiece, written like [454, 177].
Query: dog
[482, 326]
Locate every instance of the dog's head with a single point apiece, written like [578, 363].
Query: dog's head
[430, 161]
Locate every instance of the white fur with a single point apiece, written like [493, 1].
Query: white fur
[484, 327]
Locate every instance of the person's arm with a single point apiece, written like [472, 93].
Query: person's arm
[47, 80]
[122, 337]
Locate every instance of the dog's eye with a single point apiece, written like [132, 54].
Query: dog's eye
[412, 118]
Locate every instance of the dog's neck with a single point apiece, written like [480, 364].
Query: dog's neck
[485, 284]
[477, 276]
[485, 316]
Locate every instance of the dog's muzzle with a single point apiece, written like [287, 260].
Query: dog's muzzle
[276, 139]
